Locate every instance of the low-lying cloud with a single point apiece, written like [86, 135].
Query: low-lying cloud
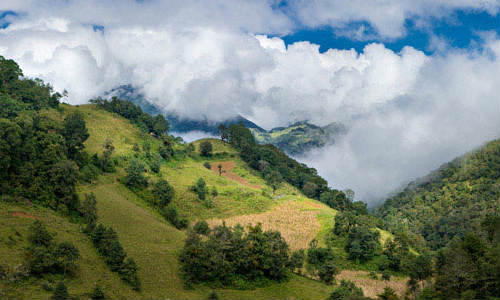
[407, 112]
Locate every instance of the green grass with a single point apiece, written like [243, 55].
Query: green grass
[145, 235]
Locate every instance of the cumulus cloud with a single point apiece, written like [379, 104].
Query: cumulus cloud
[406, 112]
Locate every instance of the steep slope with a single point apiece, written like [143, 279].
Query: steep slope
[451, 200]
[300, 137]
[243, 197]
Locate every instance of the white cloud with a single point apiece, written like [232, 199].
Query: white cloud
[407, 112]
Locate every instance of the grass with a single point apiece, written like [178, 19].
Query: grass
[152, 241]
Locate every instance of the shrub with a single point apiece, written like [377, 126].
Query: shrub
[386, 276]
[213, 296]
[205, 148]
[207, 165]
[60, 292]
[201, 227]
[346, 290]
[97, 293]
[163, 193]
[200, 188]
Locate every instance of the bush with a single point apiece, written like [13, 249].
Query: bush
[97, 293]
[386, 276]
[135, 174]
[200, 188]
[155, 166]
[206, 148]
[388, 294]
[170, 213]
[207, 165]
[346, 290]
[201, 227]
[60, 292]
[163, 193]
[213, 296]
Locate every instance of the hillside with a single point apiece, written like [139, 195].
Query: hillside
[450, 201]
[243, 197]
[300, 137]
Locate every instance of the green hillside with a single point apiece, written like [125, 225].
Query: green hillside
[300, 137]
[146, 235]
[451, 200]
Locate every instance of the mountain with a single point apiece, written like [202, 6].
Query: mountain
[300, 137]
[177, 124]
[295, 139]
[451, 200]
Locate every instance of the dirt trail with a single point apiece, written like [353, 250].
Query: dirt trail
[23, 215]
[227, 166]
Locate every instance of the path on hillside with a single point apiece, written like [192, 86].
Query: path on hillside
[227, 166]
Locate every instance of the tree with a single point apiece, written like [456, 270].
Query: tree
[88, 209]
[97, 293]
[63, 177]
[362, 243]
[297, 260]
[67, 254]
[135, 174]
[273, 179]
[39, 235]
[163, 193]
[61, 292]
[223, 132]
[108, 149]
[346, 290]
[74, 132]
[219, 167]
[206, 148]
[201, 227]
[388, 294]
[213, 296]
[327, 272]
[200, 188]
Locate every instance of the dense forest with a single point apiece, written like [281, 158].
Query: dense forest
[451, 201]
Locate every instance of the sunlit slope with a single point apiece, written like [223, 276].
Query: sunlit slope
[243, 197]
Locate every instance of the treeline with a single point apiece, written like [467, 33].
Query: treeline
[451, 201]
[157, 125]
[39, 157]
[275, 165]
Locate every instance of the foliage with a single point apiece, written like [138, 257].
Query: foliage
[43, 255]
[388, 294]
[346, 290]
[451, 200]
[200, 188]
[135, 174]
[206, 148]
[362, 243]
[60, 292]
[207, 165]
[97, 293]
[201, 227]
[170, 213]
[107, 244]
[229, 254]
[157, 125]
[163, 193]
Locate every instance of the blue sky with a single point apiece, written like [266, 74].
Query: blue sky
[460, 30]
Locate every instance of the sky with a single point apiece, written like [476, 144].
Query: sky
[416, 82]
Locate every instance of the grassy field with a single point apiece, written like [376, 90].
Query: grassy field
[242, 197]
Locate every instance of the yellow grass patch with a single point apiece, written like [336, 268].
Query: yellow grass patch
[296, 221]
[371, 287]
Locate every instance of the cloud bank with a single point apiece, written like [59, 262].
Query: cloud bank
[407, 112]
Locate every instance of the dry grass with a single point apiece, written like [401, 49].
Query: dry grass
[297, 223]
[371, 287]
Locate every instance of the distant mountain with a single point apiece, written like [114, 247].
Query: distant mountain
[300, 137]
[295, 139]
[177, 124]
[450, 201]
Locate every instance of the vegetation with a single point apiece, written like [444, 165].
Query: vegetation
[232, 256]
[300, 137]
[450, 201]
